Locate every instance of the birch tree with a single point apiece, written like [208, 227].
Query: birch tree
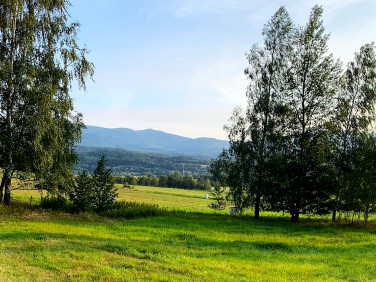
[252, 135]
[39, 60]
[354, 119]
[312, 83]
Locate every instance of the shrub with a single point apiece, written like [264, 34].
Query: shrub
[132, 210]
[56, 203]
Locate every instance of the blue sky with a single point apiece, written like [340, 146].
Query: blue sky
[178, 65]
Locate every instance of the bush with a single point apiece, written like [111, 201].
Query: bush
[133, 210]
[56, 203]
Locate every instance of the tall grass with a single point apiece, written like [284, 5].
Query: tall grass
[128, 210]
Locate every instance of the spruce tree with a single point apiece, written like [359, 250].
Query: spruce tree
[218, 194]
[82, 193]
[104, 191]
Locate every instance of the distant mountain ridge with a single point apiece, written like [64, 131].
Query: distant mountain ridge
[152, 141]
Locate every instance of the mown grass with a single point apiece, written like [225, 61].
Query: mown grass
[40, 245]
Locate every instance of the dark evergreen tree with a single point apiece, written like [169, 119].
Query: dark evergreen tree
[82, 193]
[162, 182]
[104, 191]
[218, 194]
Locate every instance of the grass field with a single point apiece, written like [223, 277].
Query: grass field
[190, 200]
[39, 245]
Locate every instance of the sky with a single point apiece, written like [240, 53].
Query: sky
[178, 65]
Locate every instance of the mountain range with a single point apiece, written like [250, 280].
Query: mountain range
[152, 141]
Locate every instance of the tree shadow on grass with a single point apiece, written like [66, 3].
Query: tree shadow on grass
[57, 244]
[192, 240]
[243, 225]
[50, 245]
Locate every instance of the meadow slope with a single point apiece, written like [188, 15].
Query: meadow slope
[40, 245]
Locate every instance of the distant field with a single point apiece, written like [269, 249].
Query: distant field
[37, 245]
[171, 198]
[191, 200]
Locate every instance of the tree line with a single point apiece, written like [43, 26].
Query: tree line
[173, 180]
[305, 142]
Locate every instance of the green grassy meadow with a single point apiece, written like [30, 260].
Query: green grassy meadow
[40, 245]
[189, 200]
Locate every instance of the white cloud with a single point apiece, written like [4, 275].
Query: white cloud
[334, 7]
[258, 9]
[226, 78]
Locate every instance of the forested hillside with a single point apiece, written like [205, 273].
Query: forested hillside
[127, 162]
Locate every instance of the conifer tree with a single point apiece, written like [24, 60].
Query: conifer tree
[218, 194]
[104, 191]
[82, 193]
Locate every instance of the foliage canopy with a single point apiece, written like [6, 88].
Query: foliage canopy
[307, 130]
[39, 60]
